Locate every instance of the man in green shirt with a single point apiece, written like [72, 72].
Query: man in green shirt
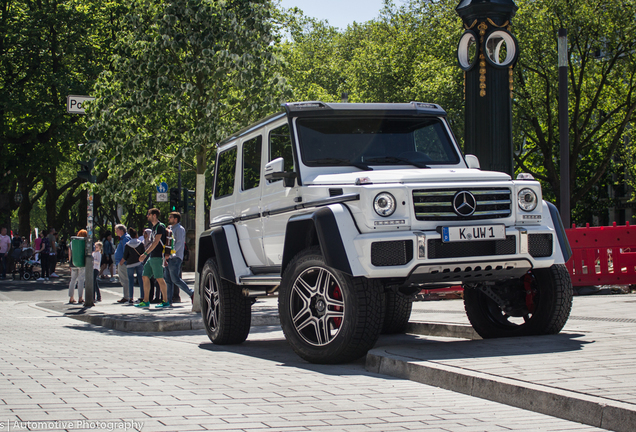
[154, 263]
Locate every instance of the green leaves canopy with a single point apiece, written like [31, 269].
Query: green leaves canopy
[186, 74]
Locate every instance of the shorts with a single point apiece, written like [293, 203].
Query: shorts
[106, 259]
[154, 268]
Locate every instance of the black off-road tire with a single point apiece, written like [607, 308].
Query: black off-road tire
[328, 316]
[226, 313]
[553, 303]
[397, 312]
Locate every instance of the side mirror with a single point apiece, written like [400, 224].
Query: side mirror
[275, 170]
[472, 161]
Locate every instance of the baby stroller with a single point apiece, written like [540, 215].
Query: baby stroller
[24, 265]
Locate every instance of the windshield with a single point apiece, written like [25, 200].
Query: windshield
[365, 141]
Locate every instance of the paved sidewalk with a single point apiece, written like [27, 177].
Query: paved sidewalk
[585, 374]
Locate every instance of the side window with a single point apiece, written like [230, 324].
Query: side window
[252, 163]
[225, 173]
[280, 146]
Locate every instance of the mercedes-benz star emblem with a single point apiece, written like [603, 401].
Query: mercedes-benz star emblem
[464, 203]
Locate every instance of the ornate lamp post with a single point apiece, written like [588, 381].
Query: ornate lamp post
[487, 52]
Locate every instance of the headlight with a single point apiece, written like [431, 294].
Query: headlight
[384, 204]
[527, 199]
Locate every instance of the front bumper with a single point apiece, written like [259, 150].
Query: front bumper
[421, 257]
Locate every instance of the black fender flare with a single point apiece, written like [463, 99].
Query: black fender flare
[566, 250]
[323, 223]
[213, 244]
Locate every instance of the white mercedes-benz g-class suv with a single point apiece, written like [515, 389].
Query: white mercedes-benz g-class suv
[348, 210]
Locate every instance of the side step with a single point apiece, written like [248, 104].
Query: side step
[260, 279]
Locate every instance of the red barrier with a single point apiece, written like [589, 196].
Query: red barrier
[602, 255]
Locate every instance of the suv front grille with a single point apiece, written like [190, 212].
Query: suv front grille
[437, 204]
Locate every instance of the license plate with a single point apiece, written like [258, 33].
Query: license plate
[473, 233]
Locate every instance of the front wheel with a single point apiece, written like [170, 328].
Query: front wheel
[226, 313]
[537, 304]
[328, 316]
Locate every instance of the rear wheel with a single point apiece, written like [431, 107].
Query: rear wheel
[328, 316]
[538, 304]
[226, 313]
[26, 275]
[397, 312]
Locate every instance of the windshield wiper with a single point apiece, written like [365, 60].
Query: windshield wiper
[389, 159]
[342, 162]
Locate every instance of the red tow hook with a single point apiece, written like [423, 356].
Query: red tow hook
[527, 285]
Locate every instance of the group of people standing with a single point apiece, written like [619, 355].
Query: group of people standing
[154, 261]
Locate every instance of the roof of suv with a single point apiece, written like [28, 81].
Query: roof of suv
[320, 109]
[317, 108]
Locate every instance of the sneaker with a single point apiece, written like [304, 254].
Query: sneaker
[113, 280]
[123, 300]
[54, 275]
[131, 301]
[143, 305]
[46, 278]
[155, 301]
[163, 305]
[40, 279]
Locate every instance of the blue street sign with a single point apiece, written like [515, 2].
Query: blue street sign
[163, 187]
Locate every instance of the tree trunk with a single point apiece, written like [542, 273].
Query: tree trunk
[199, 223]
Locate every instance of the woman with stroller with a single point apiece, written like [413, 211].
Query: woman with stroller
[78, 274]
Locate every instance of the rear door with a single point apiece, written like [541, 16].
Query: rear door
[277, 200]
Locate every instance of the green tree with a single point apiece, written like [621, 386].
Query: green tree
[48, 50]
[188, 74]
[602, 84]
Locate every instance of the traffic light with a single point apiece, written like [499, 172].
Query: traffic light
[87, 168]
[175, 200]
[188, 200]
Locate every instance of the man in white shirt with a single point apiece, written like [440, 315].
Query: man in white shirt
[172, 271]
[5, 246]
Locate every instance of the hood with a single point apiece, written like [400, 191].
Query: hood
[133, 243]
[408, 176]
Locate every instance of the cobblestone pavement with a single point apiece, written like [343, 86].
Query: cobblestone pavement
[56, 369]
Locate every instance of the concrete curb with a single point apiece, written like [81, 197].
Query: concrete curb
[166, 324]
[442, 330]
[564, 404]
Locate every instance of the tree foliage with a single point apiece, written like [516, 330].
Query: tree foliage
[185, 75]
[48, 50]
[602, 85]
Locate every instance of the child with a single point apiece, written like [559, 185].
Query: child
[97, 259]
